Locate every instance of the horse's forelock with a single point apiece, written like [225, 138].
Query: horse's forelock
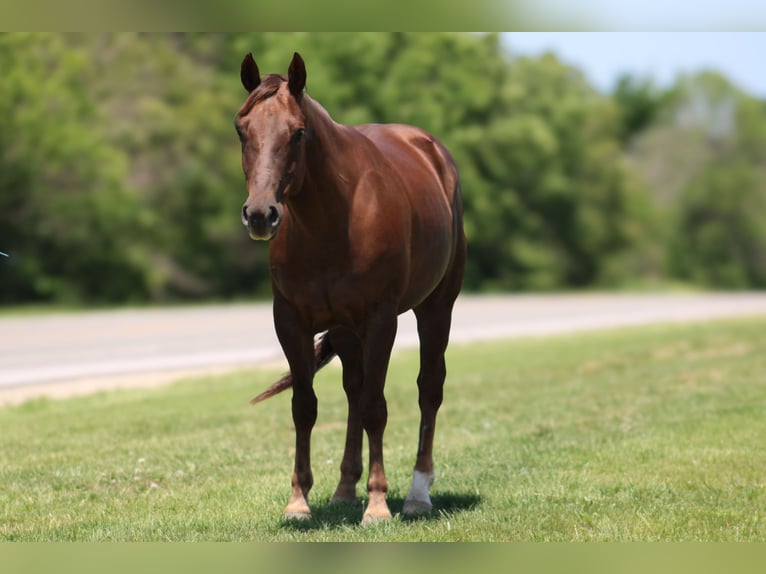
[266, 89]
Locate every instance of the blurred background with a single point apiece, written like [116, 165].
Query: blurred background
[582, 168]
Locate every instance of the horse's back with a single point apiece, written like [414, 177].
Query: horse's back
[417, 156]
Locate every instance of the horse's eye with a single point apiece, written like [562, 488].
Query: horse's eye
[298, 135]
[240, 133]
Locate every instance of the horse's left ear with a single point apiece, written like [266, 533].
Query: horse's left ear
[296, 76]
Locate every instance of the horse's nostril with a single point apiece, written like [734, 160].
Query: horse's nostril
[245, 215]
[273, 217]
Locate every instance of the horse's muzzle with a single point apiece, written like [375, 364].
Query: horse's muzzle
[262, 223]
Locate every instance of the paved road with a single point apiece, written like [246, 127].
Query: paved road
[69, 353]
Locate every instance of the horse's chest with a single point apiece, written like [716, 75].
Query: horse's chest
[332, 299]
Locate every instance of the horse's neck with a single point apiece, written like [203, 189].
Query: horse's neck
[331, 152]
[322, 206]
[329, 143]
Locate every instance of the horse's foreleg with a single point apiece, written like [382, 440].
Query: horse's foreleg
[378, 341]
[349, 349]
[298, 346]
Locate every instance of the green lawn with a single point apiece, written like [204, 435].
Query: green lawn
[637, 434]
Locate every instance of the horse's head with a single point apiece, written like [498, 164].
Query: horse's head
[271, 126]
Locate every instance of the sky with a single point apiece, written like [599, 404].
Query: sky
[646, 15]
[604, 56]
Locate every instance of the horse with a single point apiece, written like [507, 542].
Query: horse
[364, 223]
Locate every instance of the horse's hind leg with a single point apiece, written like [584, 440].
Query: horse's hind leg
[434, 318]
[349, 349]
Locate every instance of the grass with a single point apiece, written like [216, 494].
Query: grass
[655, 433]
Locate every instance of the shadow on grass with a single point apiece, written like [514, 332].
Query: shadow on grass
[327, 516]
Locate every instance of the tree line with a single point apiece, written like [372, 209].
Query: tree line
[120, 175]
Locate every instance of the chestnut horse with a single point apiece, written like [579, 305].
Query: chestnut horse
[365, 223]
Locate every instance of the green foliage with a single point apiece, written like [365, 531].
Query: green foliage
[121, 177]
[639, 102]
[650, 434]
[554, 195]
[65, 214]
[703, 160]
[721, 233]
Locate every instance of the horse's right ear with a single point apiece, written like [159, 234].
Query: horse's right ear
[249, 73]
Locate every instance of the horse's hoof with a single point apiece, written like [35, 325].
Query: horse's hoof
[414, 507]
[298, 507]
[344, 494]
[371, 518]
[343, 500]
[297, 515]
[377, 511]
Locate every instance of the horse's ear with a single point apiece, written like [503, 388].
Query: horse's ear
[249, 73]
[296, 76]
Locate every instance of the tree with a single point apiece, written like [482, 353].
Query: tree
[120, 175]
[703, 159]
[64, 214]
[552, 202]
[721, 227]
[638, 101]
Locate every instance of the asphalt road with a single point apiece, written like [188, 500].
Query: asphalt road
[73, 353]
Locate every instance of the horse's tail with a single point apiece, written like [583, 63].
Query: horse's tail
[323, 354]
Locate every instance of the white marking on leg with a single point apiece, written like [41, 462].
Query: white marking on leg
[421, 484]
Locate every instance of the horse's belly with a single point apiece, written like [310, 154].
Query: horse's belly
[430, 258]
